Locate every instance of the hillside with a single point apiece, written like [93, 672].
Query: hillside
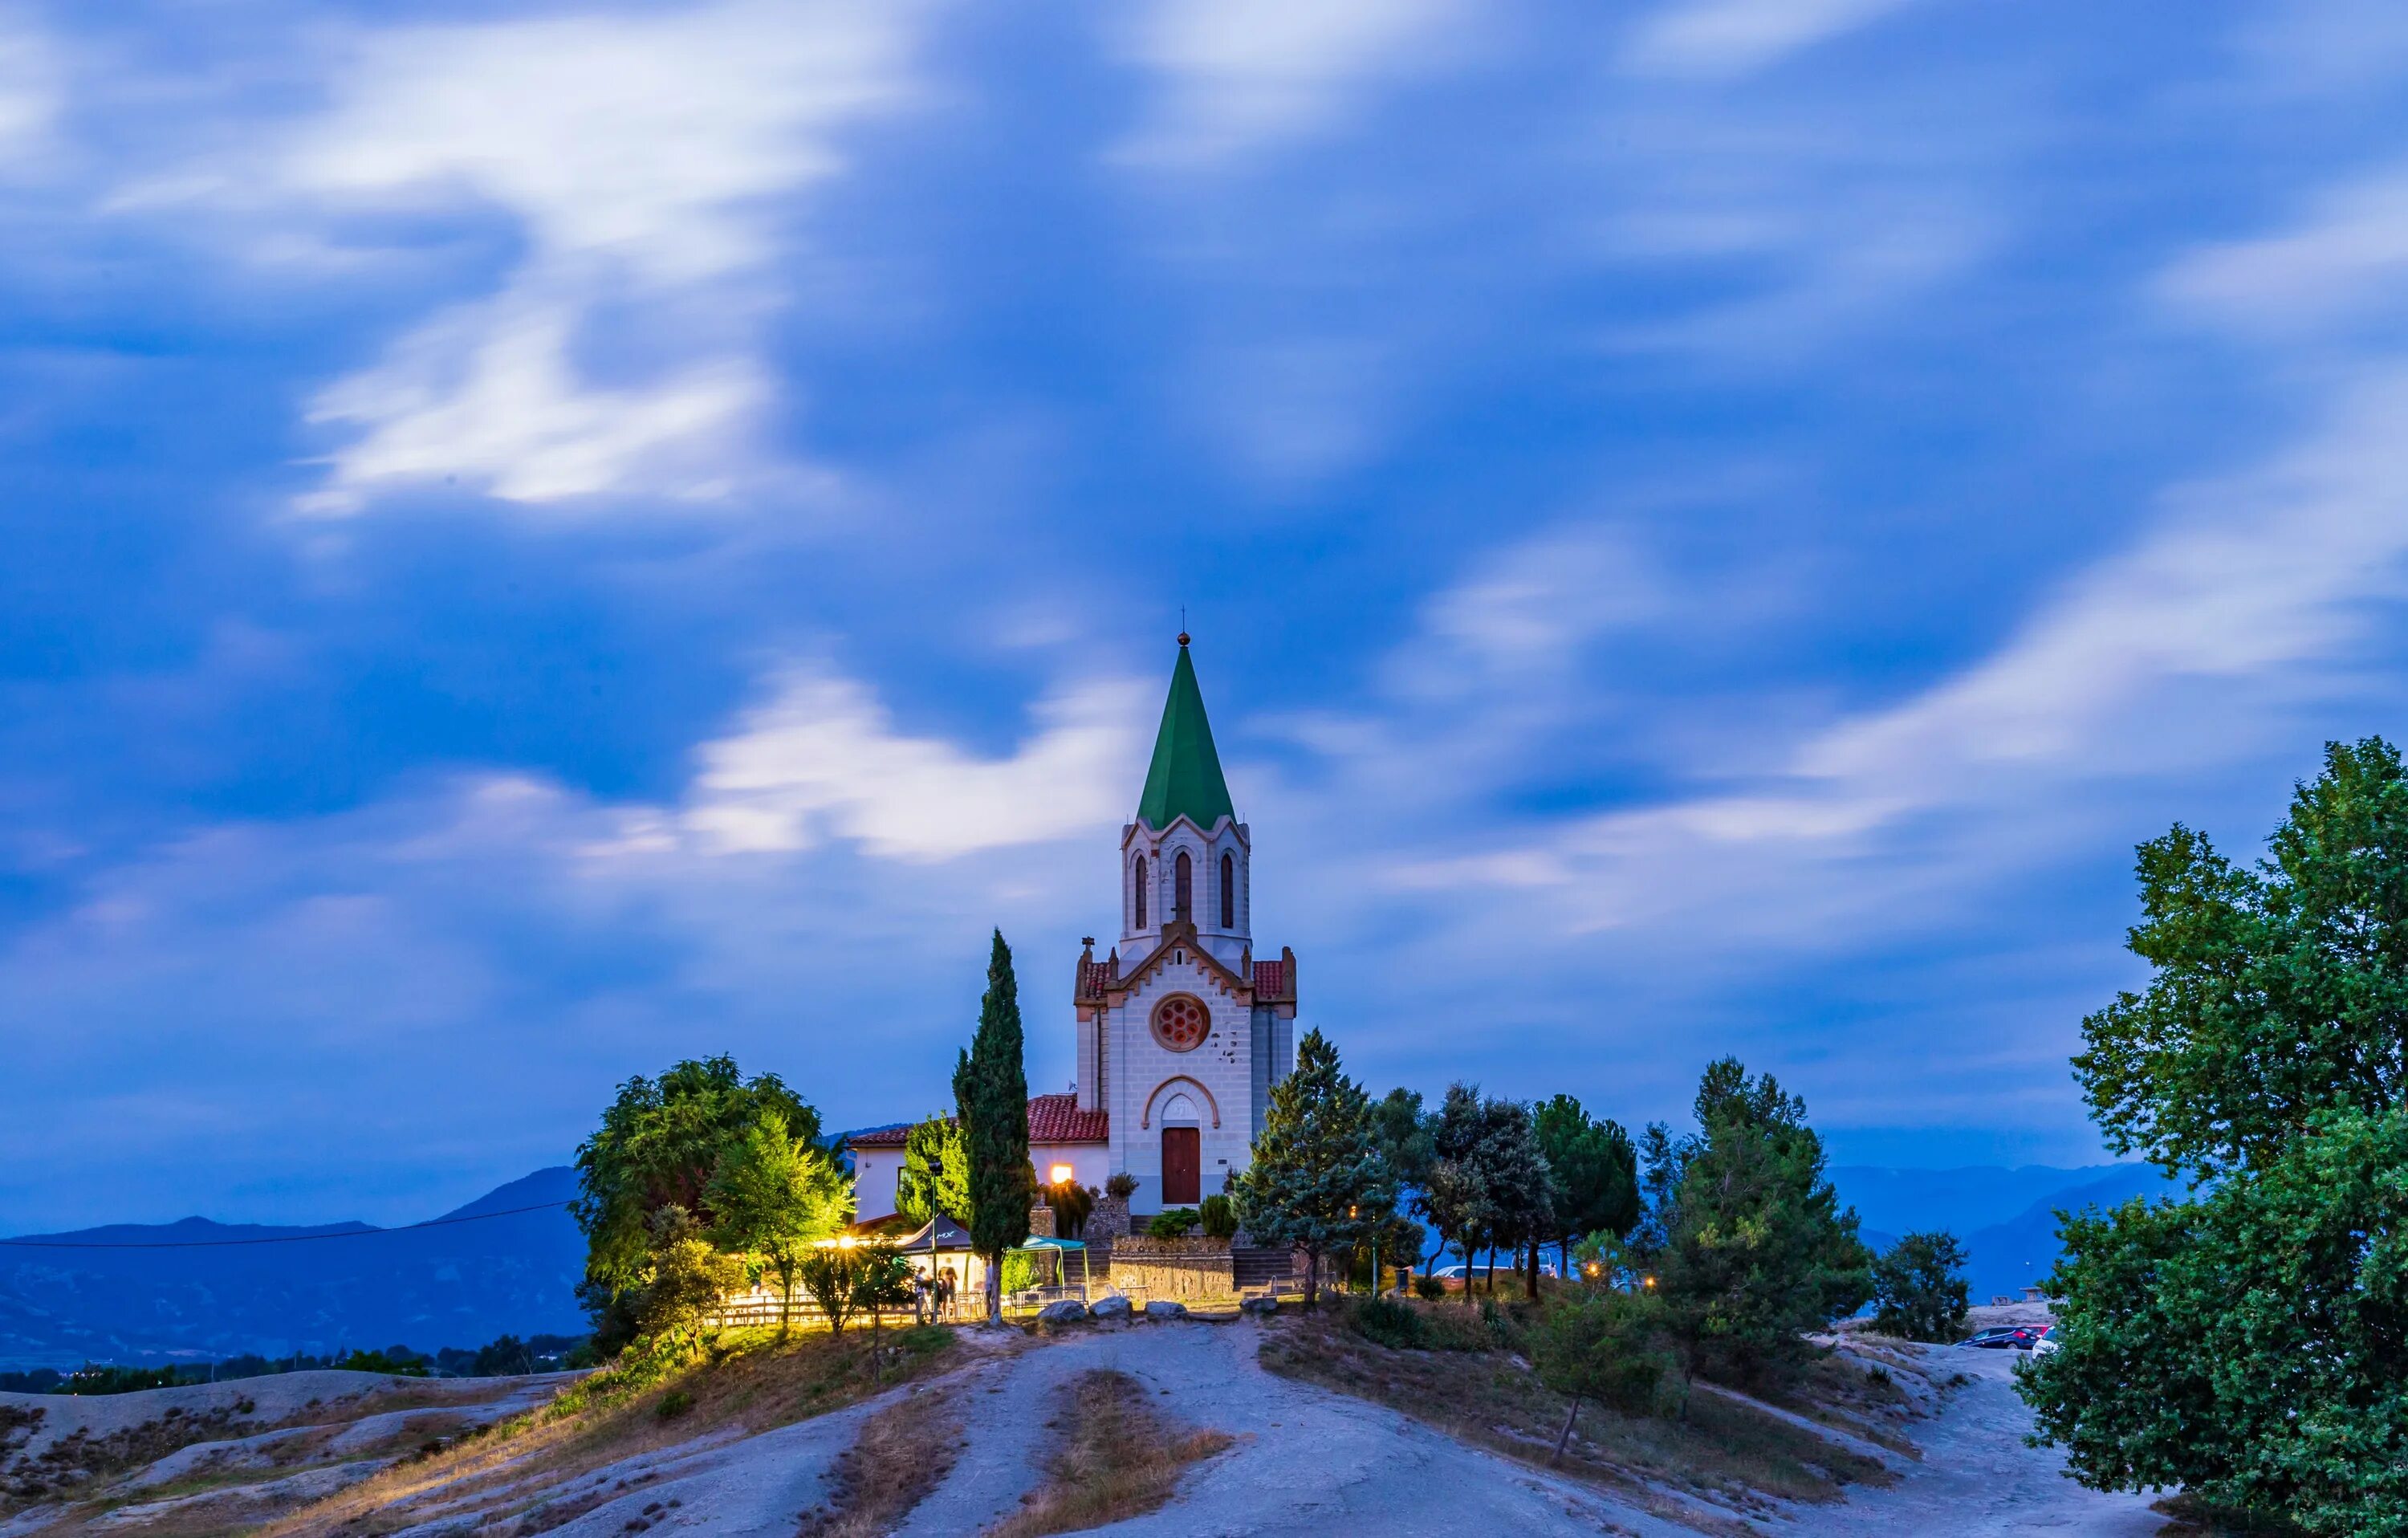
[132, 1298]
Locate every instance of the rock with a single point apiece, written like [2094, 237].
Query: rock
[1109, 1308]
[1163, 1308]
[1265, 1304]
[1062, 1311]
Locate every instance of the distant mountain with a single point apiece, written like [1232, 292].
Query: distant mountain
[146, 1299]
[2007, 1218]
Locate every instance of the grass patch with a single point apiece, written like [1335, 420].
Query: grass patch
[751, 1380]
[1730, 1454]
[903, 1453]
[1117, 1459]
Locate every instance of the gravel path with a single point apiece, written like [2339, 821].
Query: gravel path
[1307, 1463]
[1977, 1478]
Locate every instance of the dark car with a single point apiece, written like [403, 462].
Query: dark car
[2004, 1338]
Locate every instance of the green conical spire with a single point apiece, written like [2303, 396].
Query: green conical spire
[1185, 779]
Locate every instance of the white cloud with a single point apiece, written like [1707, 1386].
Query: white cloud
[647, 161]
[822, 758]
[31, 91]
[1726, 38]
[1237, 75]
[2349, 253]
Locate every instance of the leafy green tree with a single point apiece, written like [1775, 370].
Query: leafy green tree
[832, 1278]
[772, 1196]
[686, 1281]
[505, 1356]
[1219, 1217]
[1521, 1188]
[658, 1145]
[936, 1175]
[1317, 1182]
[1755, 1248]
[2246, 1346]
[1455, 1189]
[991, 1101]
[1919, 1288]
[1612, 1348]
[1595, 1171]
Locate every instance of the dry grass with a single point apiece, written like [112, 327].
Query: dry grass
[1725, 1453]
[535, 1470]
[903, 1453]
[1117, 1460]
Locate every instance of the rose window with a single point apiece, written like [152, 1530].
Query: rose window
[1180, 1023]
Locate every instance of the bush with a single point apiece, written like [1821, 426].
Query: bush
[1429, 1287]
[1919, 1288]
[1071, 1202]
[1174, 1224]
[677, 1401]
[1123, 1185]
[1220, 1218]
[1385, 1322]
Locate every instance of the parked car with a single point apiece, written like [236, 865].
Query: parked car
[2046, 1345]
[2003, 1338]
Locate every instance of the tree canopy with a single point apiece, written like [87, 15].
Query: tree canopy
[1920, 1288]
[1317, 1181]
[772, 1195]
[1750, 1247]
[936, 1175]
[1594, 1172]
[659, 1144]
[2246, 1344]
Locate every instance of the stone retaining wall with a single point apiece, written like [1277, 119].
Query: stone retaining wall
[1183, 1268]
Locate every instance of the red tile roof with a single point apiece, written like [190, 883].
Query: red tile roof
[1051, 1118]
[1095, 977]
[1056, 1118]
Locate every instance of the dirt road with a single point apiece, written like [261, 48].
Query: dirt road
[1977, 1478]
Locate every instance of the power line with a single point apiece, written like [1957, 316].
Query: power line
[281, 1238]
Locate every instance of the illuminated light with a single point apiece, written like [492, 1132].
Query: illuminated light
[847, 1243]
[1059, 1174]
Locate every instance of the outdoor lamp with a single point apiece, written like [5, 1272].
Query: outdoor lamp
[1060, 1174]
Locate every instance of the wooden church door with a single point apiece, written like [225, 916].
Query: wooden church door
[1182, 1166]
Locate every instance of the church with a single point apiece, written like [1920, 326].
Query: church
[1180, 1030]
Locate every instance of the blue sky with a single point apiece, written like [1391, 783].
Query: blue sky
[543, 541]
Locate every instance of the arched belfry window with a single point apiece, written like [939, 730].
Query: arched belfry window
[1137, 883]
[1183, 886]
[1228, 891]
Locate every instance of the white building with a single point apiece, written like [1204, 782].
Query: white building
[1182, 1032]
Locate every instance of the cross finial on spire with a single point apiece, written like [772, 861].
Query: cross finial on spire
[1183, 625]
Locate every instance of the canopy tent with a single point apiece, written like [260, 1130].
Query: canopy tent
[1059, 1249]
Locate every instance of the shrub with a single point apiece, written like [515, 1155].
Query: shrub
[1071, 1202]
[1123, 1185]
[1220, 1218]
[1174, 1224]
[677, 1401]
[1429, 1287]
[1385, 1322]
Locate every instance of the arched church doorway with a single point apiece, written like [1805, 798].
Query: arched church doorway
[1183, 1154]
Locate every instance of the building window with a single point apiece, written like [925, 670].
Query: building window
[1138, 883]
[1180, 1023]
[1183, 888]
[1228, 891]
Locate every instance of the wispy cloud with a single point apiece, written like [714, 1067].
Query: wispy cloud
[647, 163]
[1724, 37]
[1240, 75]
[2347, 254]
[32, 90]
[822, 758]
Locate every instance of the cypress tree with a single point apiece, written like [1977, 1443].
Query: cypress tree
[991, 1101]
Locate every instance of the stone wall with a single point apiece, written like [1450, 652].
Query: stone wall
[1185, 1268]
